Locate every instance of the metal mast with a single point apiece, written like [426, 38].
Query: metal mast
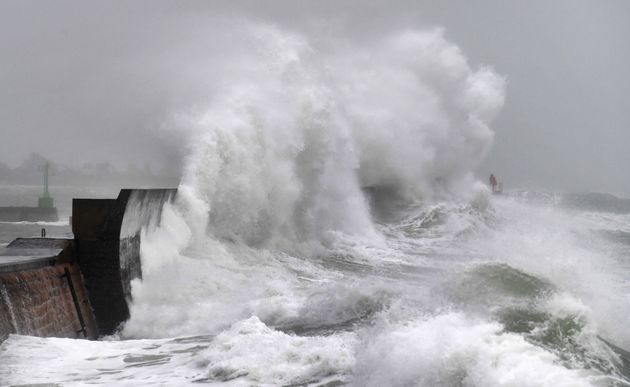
[46, 193]
[46, 200]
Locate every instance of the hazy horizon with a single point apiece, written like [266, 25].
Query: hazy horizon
[101, 82]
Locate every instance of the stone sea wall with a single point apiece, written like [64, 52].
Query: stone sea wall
[79, 288]
[39, 302]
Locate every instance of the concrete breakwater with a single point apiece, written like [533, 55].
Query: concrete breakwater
[28, 214]
[79, 287]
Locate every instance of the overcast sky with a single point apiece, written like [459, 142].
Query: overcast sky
[95, 81]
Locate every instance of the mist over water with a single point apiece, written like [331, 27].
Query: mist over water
[328, 231]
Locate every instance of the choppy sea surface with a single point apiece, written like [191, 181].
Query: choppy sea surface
[524, 289]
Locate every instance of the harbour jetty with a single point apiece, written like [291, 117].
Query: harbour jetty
[44, 212]
[80, 287]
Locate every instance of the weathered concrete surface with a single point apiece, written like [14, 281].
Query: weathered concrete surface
[36, 297]
[25, 253]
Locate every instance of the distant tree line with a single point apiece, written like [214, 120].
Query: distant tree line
[29, 172]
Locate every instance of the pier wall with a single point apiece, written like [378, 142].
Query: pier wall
[79, 287]
[28, 214]
[108, 235]
[44, 296]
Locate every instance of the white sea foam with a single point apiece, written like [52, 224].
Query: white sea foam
[69, 362]
[246, 353]
[452, 350]
[41, 223]
[561, 247]
[260, 355]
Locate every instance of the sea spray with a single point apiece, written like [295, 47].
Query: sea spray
[278, 165]
[276, 239]
[281, 157]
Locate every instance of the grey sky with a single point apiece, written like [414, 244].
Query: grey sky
[94, 81]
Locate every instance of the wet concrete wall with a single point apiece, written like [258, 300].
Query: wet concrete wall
[42, 292]
[80, 287]
[107, 236]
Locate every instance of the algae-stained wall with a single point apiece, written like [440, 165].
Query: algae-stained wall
[39, 302]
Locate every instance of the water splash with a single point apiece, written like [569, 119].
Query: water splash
[282, 156]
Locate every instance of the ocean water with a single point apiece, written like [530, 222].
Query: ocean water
[514, 292]
[329, 230]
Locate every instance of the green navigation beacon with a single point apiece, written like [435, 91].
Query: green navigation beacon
[46, 201]
[44, 212]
